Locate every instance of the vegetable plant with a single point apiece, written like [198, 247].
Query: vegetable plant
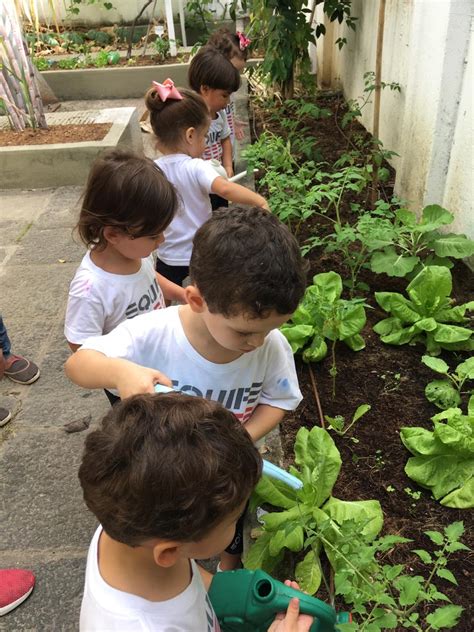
[410, 243]
[446, 393]
[323, 315]
[297, 527]
[385, 596]
[426, 316]
[443, 459]
[338, 423]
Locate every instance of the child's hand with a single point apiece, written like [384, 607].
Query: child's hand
[138, 379]
[292, 621]
[239, 129]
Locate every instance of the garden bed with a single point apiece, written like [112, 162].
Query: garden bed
[389, 378]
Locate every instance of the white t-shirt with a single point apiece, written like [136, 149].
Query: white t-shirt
[192, 178]
[106, 609]
[98, 300]
[218, 131]
[157, 340]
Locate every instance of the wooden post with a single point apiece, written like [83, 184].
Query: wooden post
[378, 90]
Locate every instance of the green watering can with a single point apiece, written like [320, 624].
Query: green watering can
[248, 601]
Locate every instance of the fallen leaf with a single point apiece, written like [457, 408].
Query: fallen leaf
[78, 425]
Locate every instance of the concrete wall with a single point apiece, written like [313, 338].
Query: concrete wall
[124, 11]
[428, 51]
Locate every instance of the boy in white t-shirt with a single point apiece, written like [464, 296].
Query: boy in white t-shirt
[167, 477]
[247, 278]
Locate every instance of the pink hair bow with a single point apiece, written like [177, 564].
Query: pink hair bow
[244, 41]
[167, 90]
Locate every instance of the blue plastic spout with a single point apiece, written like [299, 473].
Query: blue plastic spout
[282, 475]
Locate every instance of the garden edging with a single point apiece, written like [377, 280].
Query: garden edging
[42, 166]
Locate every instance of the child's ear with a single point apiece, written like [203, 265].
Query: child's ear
[112, 234]
[166, 554]
[189, 134]
[194, 299]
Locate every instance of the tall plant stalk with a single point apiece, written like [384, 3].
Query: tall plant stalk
[19, 90]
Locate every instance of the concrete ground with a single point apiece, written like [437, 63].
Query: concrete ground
[44, 524]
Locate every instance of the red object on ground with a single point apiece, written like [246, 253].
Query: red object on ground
[16, 585]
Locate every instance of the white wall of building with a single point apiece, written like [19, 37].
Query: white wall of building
[428, 50]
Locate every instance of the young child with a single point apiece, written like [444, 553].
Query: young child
[234, 46]
[166, 476]
[215, 78]
[127, 205]
[247, 278]
[180, 120]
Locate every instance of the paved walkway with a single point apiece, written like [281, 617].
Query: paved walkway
[44, 524]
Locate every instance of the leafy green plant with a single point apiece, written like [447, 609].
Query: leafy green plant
[41, 63]
[75, 6]
[69, 63]
[338, 423]
[162, 47]
[385, 596]
[410, 243]
[101, 59]
[199, 15]
[443, 460]
[447, 393]
[355, 106]
[323, 314]
[427, 315]
[297, 527]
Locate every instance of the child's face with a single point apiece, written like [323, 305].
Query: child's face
[197, 144]
[216, 541]
[216, 99]
[138, 247]
[241, 333]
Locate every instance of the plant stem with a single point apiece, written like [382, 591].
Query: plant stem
[333, 368]
[316, 397]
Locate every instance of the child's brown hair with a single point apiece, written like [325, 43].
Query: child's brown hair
[229, 44]
[171, 118]
[127, 191]
[245, 260]
[209, 67]
[167, 466]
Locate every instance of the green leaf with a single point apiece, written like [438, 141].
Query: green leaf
[276, 493]
[443, 394]
[466, 369]
[320, 461]
[423, 555]
[456, 246]
[367, 512]
[429, 286]
[444, 617]
[409, 588]
[446, 574]
[361, 410]
[297, 335]
[316, 351]
[436, 364]
[329, 285]
[454, 530]
[259, 555]
[390, 262]
[434, 217]
[435, 536]
[308, 573]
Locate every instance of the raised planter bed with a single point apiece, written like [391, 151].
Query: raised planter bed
[111, 82]
[62, 164]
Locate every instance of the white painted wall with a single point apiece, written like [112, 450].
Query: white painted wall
[428, 51]
[124, 11]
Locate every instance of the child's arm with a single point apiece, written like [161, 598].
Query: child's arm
[264, 418]
[237, 193]
[171, 291]
[227, 156]
[93, 369]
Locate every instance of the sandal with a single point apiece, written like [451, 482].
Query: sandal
[22, 371]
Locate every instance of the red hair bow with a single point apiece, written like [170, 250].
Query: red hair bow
[166, 90]
[244, 41]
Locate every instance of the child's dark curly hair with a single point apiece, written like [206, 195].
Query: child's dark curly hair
[228, 44]
[167, 466]
[246, 261]
[127, 191]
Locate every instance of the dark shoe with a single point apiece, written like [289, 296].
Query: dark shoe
[5, 416]
[21, 370]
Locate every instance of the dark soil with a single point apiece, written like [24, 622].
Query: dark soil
[55, 134]
[391, 379]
